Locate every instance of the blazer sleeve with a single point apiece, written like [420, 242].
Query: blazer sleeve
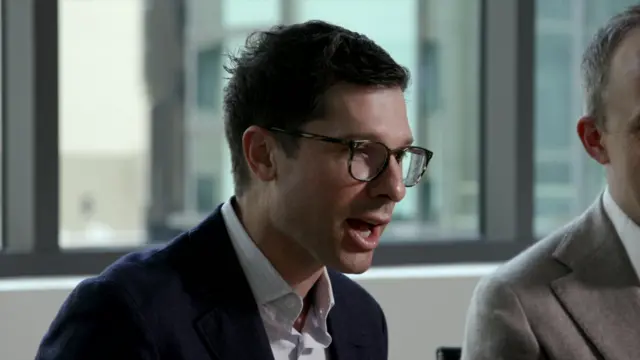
[97, 321]
[497, 327]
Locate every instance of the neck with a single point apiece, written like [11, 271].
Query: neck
[294, 264]
[627, 202]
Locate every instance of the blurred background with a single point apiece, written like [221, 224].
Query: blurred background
[142, 148]
[136, 147]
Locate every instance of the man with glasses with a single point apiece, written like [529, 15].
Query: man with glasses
[321, 152]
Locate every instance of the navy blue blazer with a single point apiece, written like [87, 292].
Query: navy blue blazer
[190, 300]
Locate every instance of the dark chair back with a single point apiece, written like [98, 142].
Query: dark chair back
[448, 353]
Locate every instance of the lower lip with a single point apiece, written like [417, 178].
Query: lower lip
[365, 244]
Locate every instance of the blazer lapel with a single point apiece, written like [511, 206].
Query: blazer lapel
[349, 340]
[235, 333]
[231, 326]
[602, 291]
[342, 348]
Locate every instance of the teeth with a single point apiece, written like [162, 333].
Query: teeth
[365, 233]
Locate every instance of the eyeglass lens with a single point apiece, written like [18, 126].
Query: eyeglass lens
[369, 159]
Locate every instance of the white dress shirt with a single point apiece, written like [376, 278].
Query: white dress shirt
[279, 305]
[628, 231]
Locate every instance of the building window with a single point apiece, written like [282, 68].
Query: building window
[209, 68]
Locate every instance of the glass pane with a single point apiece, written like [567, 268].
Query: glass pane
[249, 14]
[567, 180]
[440, 45]
[143, 154]
[104, 123]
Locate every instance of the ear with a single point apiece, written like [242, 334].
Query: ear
[592, 138]
[259, 147]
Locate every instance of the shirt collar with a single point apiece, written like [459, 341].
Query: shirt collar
[265, 281]
[628, 231]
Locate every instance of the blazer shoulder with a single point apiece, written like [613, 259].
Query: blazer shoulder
[345, 287]
[142, 274]
[99, 315]
[537, 264]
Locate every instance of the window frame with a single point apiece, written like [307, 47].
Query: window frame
[30, 161]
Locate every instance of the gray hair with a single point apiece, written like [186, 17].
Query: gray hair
[596, 60]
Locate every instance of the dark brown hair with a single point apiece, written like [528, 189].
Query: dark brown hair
[281, 75]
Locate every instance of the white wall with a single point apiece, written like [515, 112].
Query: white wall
[425, 308]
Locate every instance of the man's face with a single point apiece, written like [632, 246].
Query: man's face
[621, 138]
[316, 202]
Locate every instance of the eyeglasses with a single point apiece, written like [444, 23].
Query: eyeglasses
[368, 159]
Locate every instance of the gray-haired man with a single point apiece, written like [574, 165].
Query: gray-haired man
[576, 294]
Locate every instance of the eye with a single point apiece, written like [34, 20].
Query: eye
[400, 155]
[359, 148]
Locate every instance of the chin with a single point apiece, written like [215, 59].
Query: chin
[354, 263]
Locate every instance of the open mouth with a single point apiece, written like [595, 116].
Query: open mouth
[365, 234]
[362, 227]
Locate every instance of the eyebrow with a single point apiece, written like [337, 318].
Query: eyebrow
[373, 137]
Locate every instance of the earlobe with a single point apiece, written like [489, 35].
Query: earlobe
[258, 152]
[593, 139]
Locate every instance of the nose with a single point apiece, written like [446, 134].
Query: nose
[389, 183]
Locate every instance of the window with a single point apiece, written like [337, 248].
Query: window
[206, 187]
[121, 80]
[208, 76]
[118, 141]
[105, 118]
[567, 180]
